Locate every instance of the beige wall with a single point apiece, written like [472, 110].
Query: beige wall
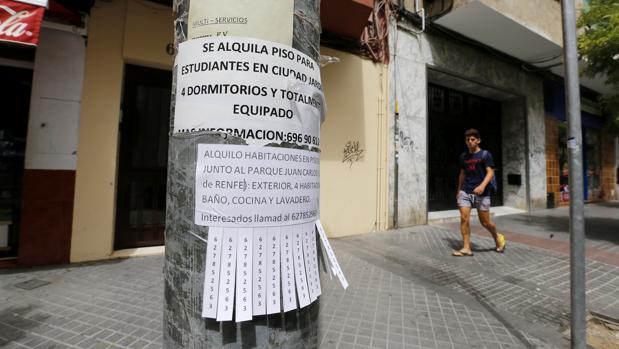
[353, 195]
[148, 30]
[119, 32]
[542, 16]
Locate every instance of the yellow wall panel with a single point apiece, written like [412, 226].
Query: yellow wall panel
[353, 192]
[93, 213]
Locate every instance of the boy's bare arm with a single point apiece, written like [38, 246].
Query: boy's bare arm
[489, 174]
[460, 181]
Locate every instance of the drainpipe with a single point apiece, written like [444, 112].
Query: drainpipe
[417, 17]
[396, 166]
[396, 127]
[381, 211]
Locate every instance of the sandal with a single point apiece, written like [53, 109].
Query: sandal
[501, 242]
[462, 253]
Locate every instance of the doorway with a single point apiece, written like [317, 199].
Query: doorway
[452, 112]
[15, 100]
[142, 172]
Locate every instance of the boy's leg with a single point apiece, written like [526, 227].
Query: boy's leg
[483, 211]
[486, 222]
[465, 229]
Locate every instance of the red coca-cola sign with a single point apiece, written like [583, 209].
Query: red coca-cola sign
[20, 22]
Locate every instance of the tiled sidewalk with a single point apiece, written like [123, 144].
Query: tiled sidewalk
[524, 280]
[406, 291]
[104, 305]
[384, 310]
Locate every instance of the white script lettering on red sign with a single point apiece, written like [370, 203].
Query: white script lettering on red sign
[19, 22]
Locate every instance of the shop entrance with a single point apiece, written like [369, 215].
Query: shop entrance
[141, 196]
[592, 164]
[451, 113]
[15, 101]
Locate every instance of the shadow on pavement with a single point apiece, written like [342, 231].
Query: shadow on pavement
[596, 228]
[456, 245]
[406, 268]
[609, 204]
[18, 323]
[601, 222]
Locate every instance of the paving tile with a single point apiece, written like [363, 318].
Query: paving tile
[115, 338]
[380, 335]
[379, 343]
[343, 345]
[426, 343]
[347, 338]
[50, 345]
[126, 341]
[363, 340]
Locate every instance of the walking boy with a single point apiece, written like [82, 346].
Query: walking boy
[476, 174]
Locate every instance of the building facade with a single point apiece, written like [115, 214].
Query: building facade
[94, 186]
[91, 120]
[42, 87]
[488, 65]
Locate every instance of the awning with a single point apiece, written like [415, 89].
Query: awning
[345, 17]
[20, 22]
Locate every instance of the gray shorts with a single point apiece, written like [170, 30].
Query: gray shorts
[482, 203]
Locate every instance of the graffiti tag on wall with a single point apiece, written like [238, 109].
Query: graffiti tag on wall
[352, 152]
[406, 143]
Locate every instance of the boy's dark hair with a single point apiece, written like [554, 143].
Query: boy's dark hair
[471, 132]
